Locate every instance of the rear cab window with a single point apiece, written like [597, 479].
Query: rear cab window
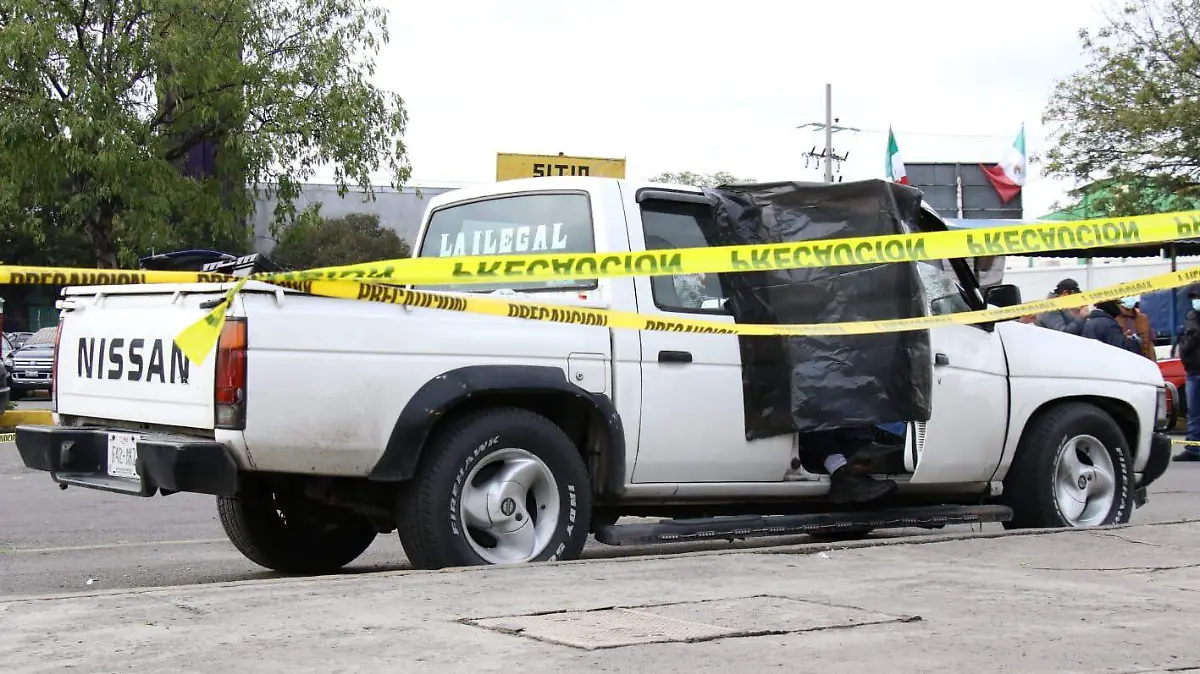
[558, 223]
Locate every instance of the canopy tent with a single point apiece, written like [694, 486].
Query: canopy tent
[1090, 206]
[1093, 205]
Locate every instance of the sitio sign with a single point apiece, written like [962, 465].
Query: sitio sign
[511, 166]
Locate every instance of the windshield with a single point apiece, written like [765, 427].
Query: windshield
[43, 337]
[511, 225]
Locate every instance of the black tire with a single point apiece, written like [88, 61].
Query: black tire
[428, 509]
[14, 395]
[1029, 487]
[290, 534]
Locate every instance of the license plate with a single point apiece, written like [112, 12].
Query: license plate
[122, 455]
[30, 375]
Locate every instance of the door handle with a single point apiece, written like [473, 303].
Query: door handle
[674, 357]
[941, 359]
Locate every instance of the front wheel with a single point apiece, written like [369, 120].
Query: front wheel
[503, 486]
[285, 532]
[1073, 468]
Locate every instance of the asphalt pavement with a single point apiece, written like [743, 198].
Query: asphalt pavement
[53, 540]
[1115, 600]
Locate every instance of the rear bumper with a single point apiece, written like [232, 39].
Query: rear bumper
[166, 463]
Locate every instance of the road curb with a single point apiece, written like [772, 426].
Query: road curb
[805, 549]
[14, 418]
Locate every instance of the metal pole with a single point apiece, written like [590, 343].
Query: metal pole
[1174, 302]
[958, 191]
[828, 133]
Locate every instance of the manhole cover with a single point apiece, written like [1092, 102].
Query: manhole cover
[609, 628]
[682, 622]
[769, 614]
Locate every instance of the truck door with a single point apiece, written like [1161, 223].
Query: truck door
[963, 440]
[693, 423]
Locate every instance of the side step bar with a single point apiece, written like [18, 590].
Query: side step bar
[758, 526]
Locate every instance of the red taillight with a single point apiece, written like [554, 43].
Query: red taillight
[229, 394]
[54, 366]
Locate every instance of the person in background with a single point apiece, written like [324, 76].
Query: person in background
[1102, 325]
[690, 288]
[1189, 355]
[1064, 320]
[1134, 322]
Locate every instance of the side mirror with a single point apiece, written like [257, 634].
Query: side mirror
[1002, 295]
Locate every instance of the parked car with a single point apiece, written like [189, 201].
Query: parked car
[6, 350]
[488, 440]
[18, 339]
[32, 365]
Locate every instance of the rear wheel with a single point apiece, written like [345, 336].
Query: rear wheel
[286, 532]
[503, 486]
[1073, 468]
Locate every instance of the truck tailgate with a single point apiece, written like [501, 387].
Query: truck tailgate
[117, 359]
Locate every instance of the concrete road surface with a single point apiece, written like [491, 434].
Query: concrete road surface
[1118, 600]
[64, 541]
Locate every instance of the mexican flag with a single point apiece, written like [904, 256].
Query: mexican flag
[895, 166]
[1009, 175]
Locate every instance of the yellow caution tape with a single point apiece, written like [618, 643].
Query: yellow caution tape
[479, 269]
[201, 336]
[198, 340]
[7, 437]
[78, 276]
[1035, 237]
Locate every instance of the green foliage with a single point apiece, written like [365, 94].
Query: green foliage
[107, 105]
[312, 242]
[1131, 117]
[700, 179]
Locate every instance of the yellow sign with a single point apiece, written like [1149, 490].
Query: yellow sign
[512, 166]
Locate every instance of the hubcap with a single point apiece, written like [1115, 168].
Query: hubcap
[509, 506]
[1085, 482]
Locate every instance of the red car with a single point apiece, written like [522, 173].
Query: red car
[1173, 374]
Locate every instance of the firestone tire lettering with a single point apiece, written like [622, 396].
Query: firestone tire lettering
[1029, 485]
[428, 506]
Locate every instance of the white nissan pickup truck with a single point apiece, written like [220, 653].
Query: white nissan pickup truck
[319, 423]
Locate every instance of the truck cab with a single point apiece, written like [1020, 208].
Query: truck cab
[487, 439]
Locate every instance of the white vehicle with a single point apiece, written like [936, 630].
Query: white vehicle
[488, 440]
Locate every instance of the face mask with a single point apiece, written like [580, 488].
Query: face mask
[1129, 302]
[1196, 304]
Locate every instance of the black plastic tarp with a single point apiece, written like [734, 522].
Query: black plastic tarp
[795, 384]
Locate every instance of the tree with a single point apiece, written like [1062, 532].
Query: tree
[310, 243]
[106, 104]
[1131, 116]
[700, 179]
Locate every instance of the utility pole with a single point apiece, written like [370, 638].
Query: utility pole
[829, 132]
[830, 126]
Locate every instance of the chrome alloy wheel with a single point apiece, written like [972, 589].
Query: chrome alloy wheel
[1085, 482]
[509, 507]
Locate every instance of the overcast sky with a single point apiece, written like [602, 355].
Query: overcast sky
[707, 86]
